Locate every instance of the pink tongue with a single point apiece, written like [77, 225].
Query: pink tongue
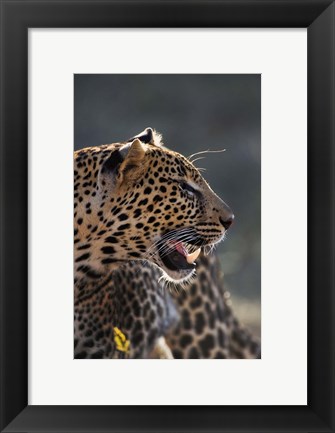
[180, 248]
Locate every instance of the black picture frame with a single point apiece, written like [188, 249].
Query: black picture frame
[318, 16]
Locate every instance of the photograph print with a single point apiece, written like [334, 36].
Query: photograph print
[167, 216]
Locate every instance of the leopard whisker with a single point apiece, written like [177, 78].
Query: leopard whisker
[198, 159]
[205, 151]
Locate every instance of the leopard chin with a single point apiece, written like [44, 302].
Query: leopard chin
[175, 276]
[179, 276]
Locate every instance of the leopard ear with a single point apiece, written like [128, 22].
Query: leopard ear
[134, 156]
[148, 136]
[123, 163]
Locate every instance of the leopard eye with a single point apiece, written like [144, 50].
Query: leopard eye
[187, 188]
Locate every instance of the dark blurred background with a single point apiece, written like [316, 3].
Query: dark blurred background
[193, 113]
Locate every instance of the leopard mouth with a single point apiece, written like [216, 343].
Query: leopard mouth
[178, 256]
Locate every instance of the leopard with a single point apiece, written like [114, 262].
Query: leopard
[135, 200]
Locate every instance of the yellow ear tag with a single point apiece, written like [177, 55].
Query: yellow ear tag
[122, 344]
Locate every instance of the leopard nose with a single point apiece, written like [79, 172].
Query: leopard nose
[227, 218]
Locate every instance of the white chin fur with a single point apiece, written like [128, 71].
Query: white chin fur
[181, 276]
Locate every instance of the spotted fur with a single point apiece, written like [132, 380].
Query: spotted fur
[195, 322]
[131, 300]
[207, 326]
[130, 200]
